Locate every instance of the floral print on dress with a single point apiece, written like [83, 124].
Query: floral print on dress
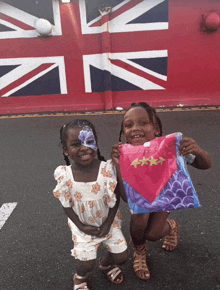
[56, 194]
[107, 199]
[67, 196]
[96, 188]
[71, 202]
[82, 209]
[106, 173]
[119, 242]
[91, 219]
[115, 224]
[109, 237]
[91, 202]
[112, 186]
[75, 240]
[78, 196]
[60, 178]
[99, 214]
[69, 184]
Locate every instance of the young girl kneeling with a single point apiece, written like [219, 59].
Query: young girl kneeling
[87, 189]
[140, 125]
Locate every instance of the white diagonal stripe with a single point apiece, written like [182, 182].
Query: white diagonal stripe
[5, 211]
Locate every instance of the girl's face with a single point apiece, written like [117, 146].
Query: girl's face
[74, 149]
[137, 127]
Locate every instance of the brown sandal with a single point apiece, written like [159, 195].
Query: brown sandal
[171, 240]
[140, 265]
[82, 286]
[112, 272]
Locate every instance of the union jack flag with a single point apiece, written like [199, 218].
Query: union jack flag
[126, 71]
[89, 58]
[30, 76]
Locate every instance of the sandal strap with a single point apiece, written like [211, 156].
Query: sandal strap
[80, 277]
[172, 238]
[112, 274]
[82, 285]
[173, 226]
[140, 264]
[142, 249]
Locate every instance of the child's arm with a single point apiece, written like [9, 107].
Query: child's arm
[89, 230]
[189, 146]
[105, 227]
[115, 159]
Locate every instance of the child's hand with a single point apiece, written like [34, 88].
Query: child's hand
[116, 153]
[104, 230]
[189, 146]
[90, 230]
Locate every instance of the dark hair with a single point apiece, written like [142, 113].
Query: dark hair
[64, 130]
[151, 113]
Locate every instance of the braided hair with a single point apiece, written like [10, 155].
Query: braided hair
[151, 113]
[64, 130]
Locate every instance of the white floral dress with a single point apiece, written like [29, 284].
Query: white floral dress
[91, 202]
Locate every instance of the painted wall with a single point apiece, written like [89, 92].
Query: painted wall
[155, 51]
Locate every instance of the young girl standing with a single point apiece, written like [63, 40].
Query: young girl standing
[86, 188]
[141, 124]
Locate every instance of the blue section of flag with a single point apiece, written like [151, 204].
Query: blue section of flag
[102, 81]
[157, 14]
[158, 65]
[5, 28]
[4, 69]
[40, 8]
[48, 84]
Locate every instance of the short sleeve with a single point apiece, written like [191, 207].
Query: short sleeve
[110, 177]
[62, 189]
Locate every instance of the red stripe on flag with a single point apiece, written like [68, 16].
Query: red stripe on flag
[138, 72]
[15, 22]
[25, 78]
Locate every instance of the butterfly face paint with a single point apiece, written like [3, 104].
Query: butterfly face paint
[87, 138]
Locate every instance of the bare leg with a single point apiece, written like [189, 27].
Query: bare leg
[159, 227]
[83, 269]
[138, 226]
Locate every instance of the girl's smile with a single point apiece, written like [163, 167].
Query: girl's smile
[137, 127]
[86, 157]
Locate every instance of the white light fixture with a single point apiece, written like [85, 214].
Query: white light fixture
[65, 1]
[44, 27]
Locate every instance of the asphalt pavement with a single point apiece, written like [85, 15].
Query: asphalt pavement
[35, 240]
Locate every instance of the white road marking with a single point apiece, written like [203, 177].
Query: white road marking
[5, 211]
